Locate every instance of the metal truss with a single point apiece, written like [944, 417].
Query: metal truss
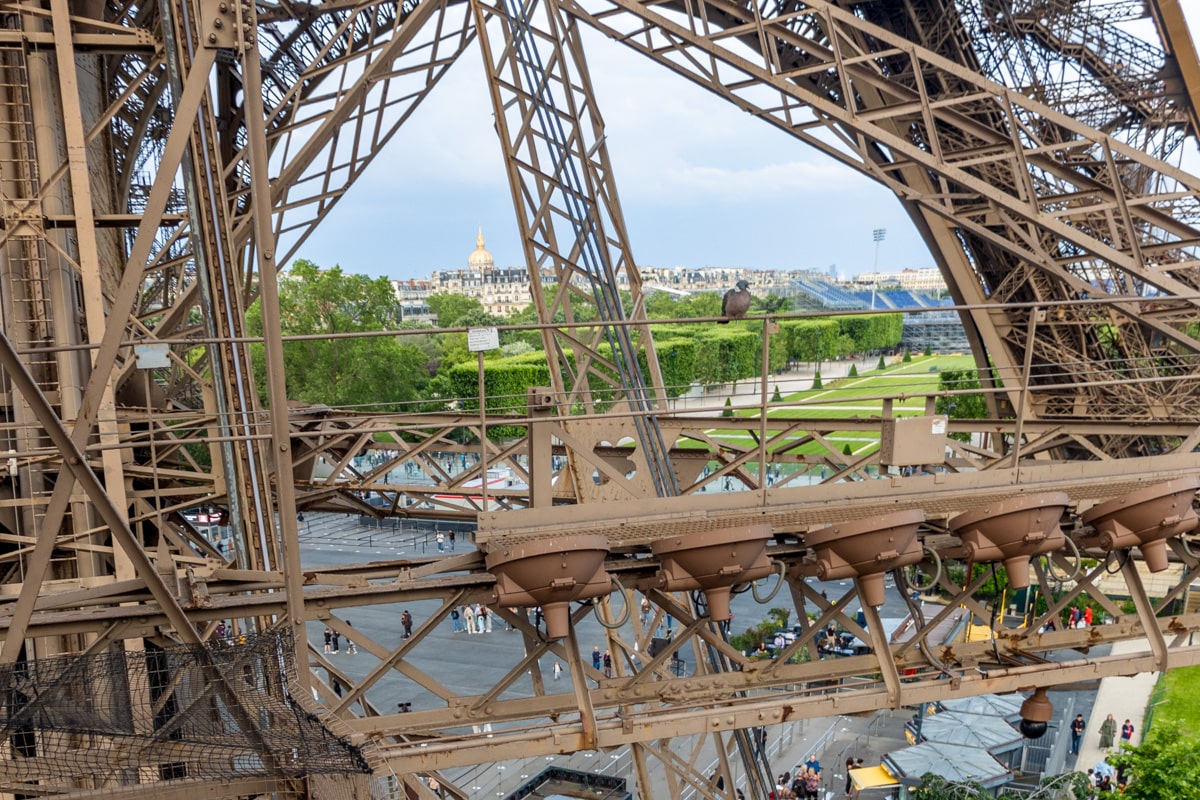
[161, 162]
[1020, 202]
[572, 230]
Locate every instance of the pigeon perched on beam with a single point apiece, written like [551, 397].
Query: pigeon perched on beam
[736, 302]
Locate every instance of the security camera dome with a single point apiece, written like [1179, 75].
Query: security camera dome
[1036, 713]
[1033, 730]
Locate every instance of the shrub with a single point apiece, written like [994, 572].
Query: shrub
[728, 412]
[928, 350]
[907, 356]
[777, 397]
[817, 380]
[853, 371]
[882, 364]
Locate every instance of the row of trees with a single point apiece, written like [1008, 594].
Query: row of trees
[1166, 766]
[339, 366]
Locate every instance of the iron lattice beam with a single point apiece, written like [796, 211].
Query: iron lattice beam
[160, 166]
[1019, 201]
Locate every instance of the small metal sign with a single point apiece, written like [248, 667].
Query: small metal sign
[152, 355]
[481, 339]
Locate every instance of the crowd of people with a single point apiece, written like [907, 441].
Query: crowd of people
[333, 643]
[805, 784]
[1102, 776]
[475, 618]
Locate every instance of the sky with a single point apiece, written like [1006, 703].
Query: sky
[702, 184]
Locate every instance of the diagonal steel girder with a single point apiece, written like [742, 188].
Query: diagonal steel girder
[331, 137]
[333, 120]
[1001, 184]
[572, 228]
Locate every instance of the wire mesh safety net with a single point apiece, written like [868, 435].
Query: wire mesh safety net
[224, 710]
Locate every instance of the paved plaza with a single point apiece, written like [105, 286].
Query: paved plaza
[334, 539]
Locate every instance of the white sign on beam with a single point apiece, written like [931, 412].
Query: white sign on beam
[152, 355]
[481, 339]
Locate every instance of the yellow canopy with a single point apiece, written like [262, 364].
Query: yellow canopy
[871, 777]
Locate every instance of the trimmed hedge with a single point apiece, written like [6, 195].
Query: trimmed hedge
[705, 354]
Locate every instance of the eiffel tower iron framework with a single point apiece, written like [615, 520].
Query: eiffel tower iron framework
[159, 163]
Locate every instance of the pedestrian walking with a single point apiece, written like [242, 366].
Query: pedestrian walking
[1078, 726]
[849, 766]
[596, 657]
[607, 664]
[328, 640]
[1108, 731]
[1127, 733]
[452, 539]
[557, 670]
[406, 621]
[441, 542]
[487, 618]
[351, 647]
[469, 614]
[337, 640]
[456, 620]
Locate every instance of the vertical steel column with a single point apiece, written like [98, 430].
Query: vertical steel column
[264, 250]
[567, 206]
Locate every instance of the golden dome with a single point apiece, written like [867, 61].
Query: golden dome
[480, 259]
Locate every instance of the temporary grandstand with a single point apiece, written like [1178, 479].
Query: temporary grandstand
[941, 330]
[938, 328]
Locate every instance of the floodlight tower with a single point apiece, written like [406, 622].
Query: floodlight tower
[879, 234]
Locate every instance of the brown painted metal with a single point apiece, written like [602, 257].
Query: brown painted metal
[714, 562]
[866, 549]
[552, 573]
[944, 162]
[1146, 518]
[1013, 531]
[147, 200]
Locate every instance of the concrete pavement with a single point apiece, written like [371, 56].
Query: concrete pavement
[1124, 698]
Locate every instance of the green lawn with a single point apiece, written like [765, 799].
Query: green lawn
[1178, 694]
[859, 398]
[914, 378]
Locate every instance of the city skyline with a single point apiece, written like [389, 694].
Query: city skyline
[734, 192]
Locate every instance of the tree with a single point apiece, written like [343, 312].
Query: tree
[907, 356]
[817, 379]
[882, 363]
[1165, 766]
[728, 412]
[1067, 786]
[928, 350]
[451, 308]
[960, 406]
[777, 397]
[853, 371]
[771, 304]
[373, 372]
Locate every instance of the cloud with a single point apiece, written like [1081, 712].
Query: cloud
[701, 183]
